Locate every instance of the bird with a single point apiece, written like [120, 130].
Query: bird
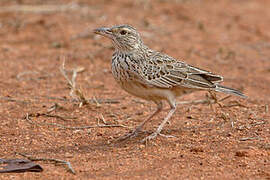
[155, 76]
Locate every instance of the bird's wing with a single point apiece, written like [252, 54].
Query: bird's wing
[165, 72]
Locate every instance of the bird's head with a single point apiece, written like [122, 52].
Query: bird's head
[124, 37]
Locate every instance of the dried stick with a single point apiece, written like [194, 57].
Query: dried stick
[10, 99]
[74, 92]
[28, 119]
[249, 138]
[50, 115]
[56, 161]
[38, 100]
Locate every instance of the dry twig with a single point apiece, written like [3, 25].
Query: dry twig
[74, 92]
[249, 138]
[96, 101]
[28, 119]
[11, 99]
[56, 161]
[39, 100]
[50, 115]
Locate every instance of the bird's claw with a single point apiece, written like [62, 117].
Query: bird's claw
[134, 133]
[154, 135]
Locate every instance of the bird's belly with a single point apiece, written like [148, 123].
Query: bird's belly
[146, 92]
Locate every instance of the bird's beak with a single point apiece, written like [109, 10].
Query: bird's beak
[107, 32]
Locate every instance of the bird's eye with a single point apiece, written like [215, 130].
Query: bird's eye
[123, 32]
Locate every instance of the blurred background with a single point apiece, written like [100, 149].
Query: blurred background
[228, 37]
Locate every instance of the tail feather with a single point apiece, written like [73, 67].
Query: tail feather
[228, 90]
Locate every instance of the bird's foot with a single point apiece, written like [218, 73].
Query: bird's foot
[154, 135]
[132, 134]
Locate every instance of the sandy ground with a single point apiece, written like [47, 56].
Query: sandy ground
[229, 37]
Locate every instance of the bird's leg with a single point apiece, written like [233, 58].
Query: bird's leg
[160, 127]
[138, 128]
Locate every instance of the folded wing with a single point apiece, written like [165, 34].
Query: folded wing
[165, 72]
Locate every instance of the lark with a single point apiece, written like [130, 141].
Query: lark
[155, 76]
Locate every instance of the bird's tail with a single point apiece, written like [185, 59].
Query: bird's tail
[228, 90]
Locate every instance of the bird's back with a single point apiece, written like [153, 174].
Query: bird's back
[161, 70]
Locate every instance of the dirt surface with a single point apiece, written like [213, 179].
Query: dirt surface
[229, 37]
